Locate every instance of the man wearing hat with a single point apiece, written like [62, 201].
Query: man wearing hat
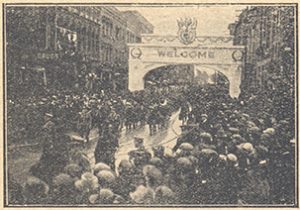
[204, 123]
[189, 134]
[49, 125]
[140, 156]
[106, 147]
[52, 151]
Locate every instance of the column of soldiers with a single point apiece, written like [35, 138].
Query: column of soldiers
[105, 113]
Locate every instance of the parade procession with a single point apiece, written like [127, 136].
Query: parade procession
[116, 106]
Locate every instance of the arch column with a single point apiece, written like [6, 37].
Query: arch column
[233, 73]
[136, 72]
[234, 86]
[234, 76]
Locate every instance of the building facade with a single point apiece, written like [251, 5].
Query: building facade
[68, 45]
[267, 32]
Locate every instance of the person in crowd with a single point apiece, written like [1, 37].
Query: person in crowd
[54, 151]
[85, 123]
[35, 191]
[228, 152]
[106, 147]
[140, 156]
[63, 190]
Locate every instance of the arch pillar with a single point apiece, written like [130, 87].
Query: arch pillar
[137, 71]
[233, 73]
[234, 78]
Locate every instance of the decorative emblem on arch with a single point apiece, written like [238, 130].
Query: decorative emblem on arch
[136, 53]
[237, 55]
[187, 30]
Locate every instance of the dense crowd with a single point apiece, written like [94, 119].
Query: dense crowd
[81, 112]
[229, 152]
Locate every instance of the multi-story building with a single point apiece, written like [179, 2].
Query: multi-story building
[267, 32]
[60, 45]
[136, 25]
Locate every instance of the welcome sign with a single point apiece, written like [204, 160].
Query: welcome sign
[183, 53]
[196, 55]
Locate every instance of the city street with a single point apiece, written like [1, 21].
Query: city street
[110, 83]
[21, 159]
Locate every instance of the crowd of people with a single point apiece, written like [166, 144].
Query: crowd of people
[81, 112]
[229, 152]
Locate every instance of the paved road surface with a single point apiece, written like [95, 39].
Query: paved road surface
[21, 159]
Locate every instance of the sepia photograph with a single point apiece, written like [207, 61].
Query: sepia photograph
[150, 104]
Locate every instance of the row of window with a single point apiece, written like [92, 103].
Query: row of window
[108, 28]
[87, 44]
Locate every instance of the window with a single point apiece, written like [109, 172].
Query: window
[117, 34]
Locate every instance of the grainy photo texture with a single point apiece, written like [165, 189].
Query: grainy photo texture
[150, 104]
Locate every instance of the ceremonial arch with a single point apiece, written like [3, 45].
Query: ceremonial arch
[155, 51]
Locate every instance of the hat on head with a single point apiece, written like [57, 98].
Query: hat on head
[232, 159]
[87, 183]
[223, 157]
[254, 131]
[142, 195]
[63, 180]
[204, 115]
[206, 137]
[153, 173]
[251, 124]
[35, 187]
[193, 159]
[48, 114]
[164, 195]
[269, 131]
[248, 147]
[265, 137]
[221, 133]
[246, 115]
[100, 166]
[105, 196]
[156, 162]
[184, 164]
[234, 130]
[94, 199]
[106, 178]
[209, 152]
[238, 138]
[125, 166]
[186, 147]
[73, 170]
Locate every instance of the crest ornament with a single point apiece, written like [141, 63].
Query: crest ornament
[187, 30]
[237, 55]
[136, 53]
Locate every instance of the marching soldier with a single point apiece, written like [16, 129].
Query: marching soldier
[140, 156]
[106, 147]
[85, 123]
[54, 152]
